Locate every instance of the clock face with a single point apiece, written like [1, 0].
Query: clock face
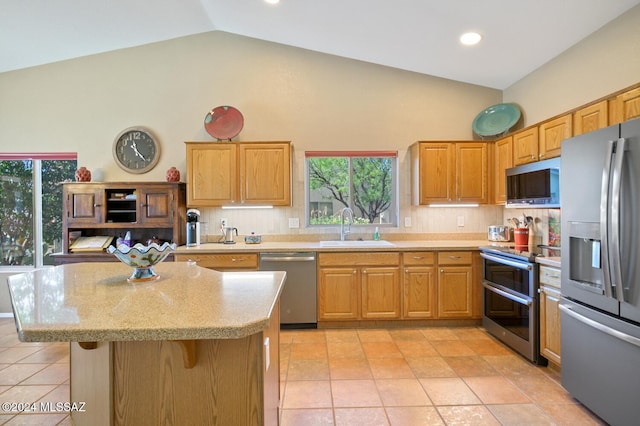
[136, 150]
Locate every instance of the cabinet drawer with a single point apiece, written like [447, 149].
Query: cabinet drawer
[418, 258]
[550, 276]
[358, 259]
[239, 260]
[454, 258]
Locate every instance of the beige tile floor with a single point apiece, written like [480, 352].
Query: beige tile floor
[426, 376]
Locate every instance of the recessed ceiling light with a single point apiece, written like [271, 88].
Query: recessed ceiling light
[272, 1]
[469, 39]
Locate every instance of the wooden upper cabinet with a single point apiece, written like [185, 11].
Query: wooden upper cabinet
[156, 205]
[84, 204]
[503, 160]
[525, 146]
[436, 169]
[265, 173]
[449, 172]
[223, 173]
[625, 106]
[211, 174]
[472, 172]
[552, 133]
[590, 118]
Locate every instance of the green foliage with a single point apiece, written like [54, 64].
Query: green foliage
[363, 183]
[17, 210]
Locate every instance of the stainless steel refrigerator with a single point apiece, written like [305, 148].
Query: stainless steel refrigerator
[600, 305]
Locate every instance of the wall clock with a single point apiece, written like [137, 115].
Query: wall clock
[136, 150]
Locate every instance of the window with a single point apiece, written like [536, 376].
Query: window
[366, 182]
[31, 206]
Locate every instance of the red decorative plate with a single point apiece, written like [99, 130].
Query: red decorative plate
[223, 122]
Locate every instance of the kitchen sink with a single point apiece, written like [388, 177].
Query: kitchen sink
[357, 243]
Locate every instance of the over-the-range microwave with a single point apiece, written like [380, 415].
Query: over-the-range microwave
[534, 185]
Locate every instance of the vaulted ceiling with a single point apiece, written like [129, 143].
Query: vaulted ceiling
[416, 35]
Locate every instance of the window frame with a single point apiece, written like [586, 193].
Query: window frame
[38, 233]
[395, 190]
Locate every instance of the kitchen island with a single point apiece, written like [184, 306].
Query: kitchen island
[196, 346]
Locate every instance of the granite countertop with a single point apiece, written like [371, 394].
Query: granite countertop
[89, 302]
[319, 247]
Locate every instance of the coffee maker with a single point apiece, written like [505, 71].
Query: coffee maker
[193, 227]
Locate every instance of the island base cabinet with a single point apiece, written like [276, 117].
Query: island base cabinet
[231, 381]
[91, 384]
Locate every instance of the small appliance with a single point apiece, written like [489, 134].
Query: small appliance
[228, 234]
[534, 185]
[499, 233]
[193, 227]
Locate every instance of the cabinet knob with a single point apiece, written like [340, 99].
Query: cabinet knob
[418, 257]
[541, 155]
[454, 257]
[97, 205]
[533, 157]
[364, 271]
[441, 270]
[406, 270]
[353, 272]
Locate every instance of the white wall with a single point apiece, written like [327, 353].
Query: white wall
[317, 101]
[603, 63]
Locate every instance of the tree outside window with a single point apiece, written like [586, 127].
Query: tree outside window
[363, 181]
[31, 206]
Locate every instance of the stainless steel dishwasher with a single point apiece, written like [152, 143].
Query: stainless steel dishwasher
[298, 302]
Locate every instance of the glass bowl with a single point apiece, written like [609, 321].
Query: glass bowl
[142, 258]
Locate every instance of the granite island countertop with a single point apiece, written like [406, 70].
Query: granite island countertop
[93, 302]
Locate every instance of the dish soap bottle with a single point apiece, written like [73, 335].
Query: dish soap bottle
[376, 234]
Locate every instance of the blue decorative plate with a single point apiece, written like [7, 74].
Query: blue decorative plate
[496, 119]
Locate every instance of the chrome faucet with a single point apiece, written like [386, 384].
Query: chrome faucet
[344, 230]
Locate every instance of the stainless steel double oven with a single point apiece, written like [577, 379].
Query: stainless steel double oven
[511, 311]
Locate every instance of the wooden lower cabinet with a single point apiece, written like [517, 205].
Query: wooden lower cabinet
[380, 292]
[338, 294]
[222, 262]
[372, 286]
[359, 285]
[419, 285]
[455, 284]
[550, 335]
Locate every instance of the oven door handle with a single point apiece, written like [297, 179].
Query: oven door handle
[514, 263]
[509, 296]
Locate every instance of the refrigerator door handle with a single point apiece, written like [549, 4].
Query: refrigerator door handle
[604, 219]
[600, 327]
[614, 246]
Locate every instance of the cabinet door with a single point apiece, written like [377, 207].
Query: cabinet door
[471, 173]
[503, 161]
[338, 290]
[265, 173]
[211, 174]
[419, 292]
[380, 292]
[455, 292]
[591, 118]
[550, 337]
[437, 172]
[525, 146]
[156, 205]
[552, 133]
[84, 205]
[626, 106]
